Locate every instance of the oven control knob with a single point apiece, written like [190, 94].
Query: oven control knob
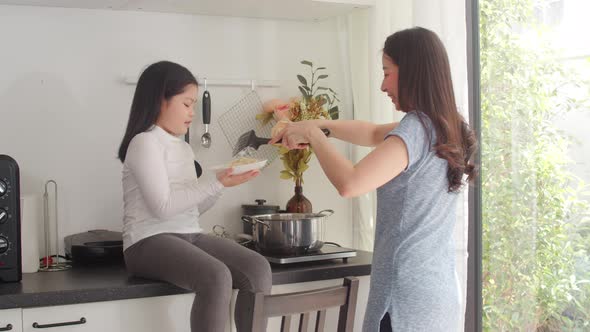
[3, 188]
[3, 216]
[3, 244]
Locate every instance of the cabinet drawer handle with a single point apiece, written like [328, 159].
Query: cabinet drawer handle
[8, 327]
[45, 326]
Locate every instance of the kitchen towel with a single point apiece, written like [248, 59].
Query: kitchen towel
[31, 228]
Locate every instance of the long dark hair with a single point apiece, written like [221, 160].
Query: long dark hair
[158, 82]
[425, 85]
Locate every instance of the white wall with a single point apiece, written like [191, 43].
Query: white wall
[63, 108]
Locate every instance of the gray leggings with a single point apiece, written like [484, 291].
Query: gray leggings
[207, 265]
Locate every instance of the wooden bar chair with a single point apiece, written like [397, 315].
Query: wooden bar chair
[306, 304]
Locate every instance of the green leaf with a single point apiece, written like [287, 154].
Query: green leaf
[287, 165]
[303, 168]
[283, 151]
[286, 175]
[302, 80]
[308, 156]
[322, 77]
[304, 92]
[333, 113]
[322, 88]
[305, 62]
[301, 165]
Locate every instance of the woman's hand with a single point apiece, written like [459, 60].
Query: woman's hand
[296, 135]
[228, 180]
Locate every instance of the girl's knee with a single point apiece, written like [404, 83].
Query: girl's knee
[213, 278]
[260, 274]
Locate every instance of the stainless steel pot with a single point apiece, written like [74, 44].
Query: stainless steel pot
[288, 233]
[257, 209]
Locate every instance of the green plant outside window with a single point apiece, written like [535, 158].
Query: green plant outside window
[536, 228]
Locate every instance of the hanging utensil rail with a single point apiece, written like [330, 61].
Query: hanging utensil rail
[223, 82]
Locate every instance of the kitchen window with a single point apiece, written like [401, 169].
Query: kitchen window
[532, 207]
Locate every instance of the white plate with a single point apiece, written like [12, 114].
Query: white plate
[240, 168]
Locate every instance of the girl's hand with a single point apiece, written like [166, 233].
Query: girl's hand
[295, 135]
[228, 180]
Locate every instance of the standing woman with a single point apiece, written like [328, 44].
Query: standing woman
[417, 167]
[163, 202]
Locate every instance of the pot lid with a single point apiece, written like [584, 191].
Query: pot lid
[260, 206]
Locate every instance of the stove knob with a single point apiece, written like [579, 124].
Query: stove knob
[3, 244]
[3, 216]
[3, 188]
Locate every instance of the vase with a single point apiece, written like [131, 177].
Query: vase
[299, 203]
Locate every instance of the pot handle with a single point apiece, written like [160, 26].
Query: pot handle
[253, 221]
[327, 212]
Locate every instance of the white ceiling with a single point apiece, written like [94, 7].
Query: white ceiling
[273, 9]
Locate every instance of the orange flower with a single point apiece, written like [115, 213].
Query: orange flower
[283, 112]
[271, 105]
[280, 109]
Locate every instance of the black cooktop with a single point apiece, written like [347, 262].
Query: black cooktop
[325, 253]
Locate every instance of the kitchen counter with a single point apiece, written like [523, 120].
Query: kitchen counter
[84, 284]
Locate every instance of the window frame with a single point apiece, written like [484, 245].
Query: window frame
[473, 308]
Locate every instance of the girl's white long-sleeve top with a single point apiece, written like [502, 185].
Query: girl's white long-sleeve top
[161, 193]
